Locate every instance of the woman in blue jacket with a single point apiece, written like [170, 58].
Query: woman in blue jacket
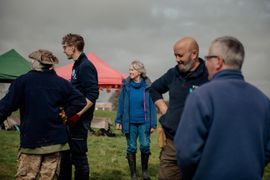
[136, 116]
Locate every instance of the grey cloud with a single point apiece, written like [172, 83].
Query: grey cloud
[120, 30]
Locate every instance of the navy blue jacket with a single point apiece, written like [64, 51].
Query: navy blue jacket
[39, 95]
[179, 86]
[123, 113]
[84, 78]
[224, 132]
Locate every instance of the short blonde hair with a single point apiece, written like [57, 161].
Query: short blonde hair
[138, 66]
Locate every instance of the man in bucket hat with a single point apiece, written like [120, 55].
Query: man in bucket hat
[40, 95]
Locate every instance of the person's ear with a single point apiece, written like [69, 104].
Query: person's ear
[194, 54]
[219, 62]
[73, 49]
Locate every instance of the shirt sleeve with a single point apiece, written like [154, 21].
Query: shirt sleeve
[75, 102]
[267, 146]
[160, 86]
[11, 101]
[89, 82]
[120, 110]
[153, 114]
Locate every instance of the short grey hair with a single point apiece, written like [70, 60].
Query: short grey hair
[138, 66]
[231, 50]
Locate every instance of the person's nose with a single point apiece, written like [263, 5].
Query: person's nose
[177, 59]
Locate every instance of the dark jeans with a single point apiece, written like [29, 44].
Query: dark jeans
[138, 130]
[78, 157]
[65, 166]
[77, 154]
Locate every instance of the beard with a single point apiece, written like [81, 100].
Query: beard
[185, 67]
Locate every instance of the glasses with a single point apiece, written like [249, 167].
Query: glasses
[210, 57]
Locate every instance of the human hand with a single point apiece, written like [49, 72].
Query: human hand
[73, 119]
[162, 106]
[118, 126]
[62, 115]
[152, 130]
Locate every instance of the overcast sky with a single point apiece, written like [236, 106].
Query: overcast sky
[119, 31]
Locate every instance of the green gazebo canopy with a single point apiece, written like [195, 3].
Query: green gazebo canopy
[12, 65]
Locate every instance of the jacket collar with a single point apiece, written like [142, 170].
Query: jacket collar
[126, 82]
[52, 71]
[78, 61]
[229, 74]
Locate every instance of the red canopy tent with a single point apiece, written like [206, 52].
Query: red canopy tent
[107, 76]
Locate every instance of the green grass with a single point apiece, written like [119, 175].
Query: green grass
[106, 155]
[8, 154]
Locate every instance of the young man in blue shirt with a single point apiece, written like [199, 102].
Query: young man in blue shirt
[85, 79]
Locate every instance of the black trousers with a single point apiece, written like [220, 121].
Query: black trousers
[77, 155]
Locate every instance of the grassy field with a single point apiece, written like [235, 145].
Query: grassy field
[106, 155]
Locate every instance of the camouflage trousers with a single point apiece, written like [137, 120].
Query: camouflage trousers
[41, 166]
